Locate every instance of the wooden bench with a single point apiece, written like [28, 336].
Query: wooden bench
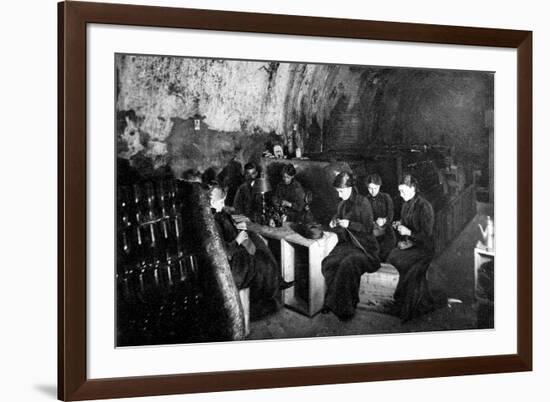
[378, 287]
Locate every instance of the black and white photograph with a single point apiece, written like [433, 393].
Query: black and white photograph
[244, 201]
[261, 199]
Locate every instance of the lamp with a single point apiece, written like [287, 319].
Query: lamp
[261, 186]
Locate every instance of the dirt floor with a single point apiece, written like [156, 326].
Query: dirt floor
[451, 273]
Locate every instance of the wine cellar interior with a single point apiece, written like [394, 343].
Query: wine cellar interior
[179, 114]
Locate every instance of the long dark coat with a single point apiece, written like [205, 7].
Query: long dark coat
[355, 254]
[412, 295]
[245, 200]
[259, 272]
[382, 207]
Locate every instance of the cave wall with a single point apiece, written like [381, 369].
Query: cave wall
[240, 104]
[158, 99]
[436, 107]
[243, 104]
[380, 106]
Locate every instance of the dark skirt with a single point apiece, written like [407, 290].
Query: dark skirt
[342, 270]
[412, 296]
[261, 274]
[386, 242]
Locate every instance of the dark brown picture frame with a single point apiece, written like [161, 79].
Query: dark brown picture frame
[73, 383]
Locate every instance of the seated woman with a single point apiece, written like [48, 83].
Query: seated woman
[355, 253]
[290, 195]
[382, 211]
[413, 253]
[252, 263]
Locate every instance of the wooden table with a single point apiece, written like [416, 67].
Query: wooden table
[294, 250]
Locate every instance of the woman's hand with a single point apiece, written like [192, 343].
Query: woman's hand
[241, 226]
[403, 230]
[344, 223]
[286, 203]
[242, 236]
[381, 222]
